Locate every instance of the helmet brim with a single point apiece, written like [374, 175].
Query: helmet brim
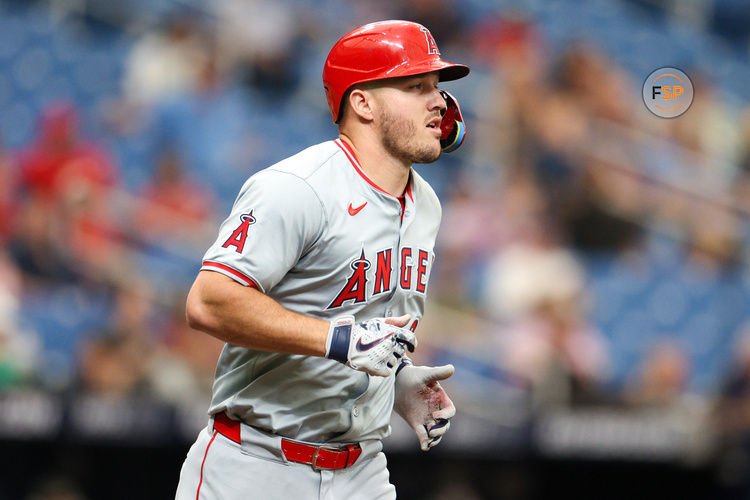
[447, 71]
[453, 72]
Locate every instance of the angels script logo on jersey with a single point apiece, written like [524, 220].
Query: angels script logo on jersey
[239, 235]
[413, 273]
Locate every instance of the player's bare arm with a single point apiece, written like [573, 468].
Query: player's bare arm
[245, 317]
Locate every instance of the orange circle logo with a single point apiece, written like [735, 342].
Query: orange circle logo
[668, 92]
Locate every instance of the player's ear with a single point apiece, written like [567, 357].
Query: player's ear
[361, 102]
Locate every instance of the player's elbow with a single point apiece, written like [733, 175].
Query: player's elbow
[197, 312]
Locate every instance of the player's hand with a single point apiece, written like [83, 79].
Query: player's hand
[375, 346]
[422, 402]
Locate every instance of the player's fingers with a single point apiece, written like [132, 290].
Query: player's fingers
[391, 362]
[424, 438]
[439, 372]
[440, 428]
[446, 408]
[434, 442]
[381, 369]
[407, 338]
[400, 321]
[398, 349]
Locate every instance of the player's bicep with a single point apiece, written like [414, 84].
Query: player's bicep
[211, 296]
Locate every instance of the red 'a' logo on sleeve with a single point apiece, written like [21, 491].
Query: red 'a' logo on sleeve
[239, 235]
[355, 284]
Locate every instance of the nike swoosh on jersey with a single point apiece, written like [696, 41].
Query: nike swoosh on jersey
[366, 347]
[355, 211]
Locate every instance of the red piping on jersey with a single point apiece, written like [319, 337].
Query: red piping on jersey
[347, 149]
[233, 272]
[200, 483]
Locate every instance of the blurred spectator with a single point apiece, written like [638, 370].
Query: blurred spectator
[19, 347]
[464, 244]
[710, 129]
[8, 193]
[713, 240]
[559, 130]
[183, 371]
[663, 377]
[261, 47]
[477, 225]
[561, 356]
[172, 208]
[606, 211]
[39, 247]
[61, 165]
[518, 275]
[114, 364]
[208, 125]
[537, 288]
[165, 61]
[116, 361]
[515, 50]
[68, 182]
[586, 76]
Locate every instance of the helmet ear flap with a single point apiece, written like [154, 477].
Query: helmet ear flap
[452, 127]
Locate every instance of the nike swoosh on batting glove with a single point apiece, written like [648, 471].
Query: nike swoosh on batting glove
[373, 346]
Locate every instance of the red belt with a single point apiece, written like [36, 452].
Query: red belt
[320, 457]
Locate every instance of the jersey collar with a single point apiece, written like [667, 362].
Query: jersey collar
[347, 149]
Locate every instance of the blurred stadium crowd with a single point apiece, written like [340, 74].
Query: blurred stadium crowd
[591, 254]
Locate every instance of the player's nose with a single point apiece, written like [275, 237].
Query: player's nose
[436, 102]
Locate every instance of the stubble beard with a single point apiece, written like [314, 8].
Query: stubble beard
[399, 140]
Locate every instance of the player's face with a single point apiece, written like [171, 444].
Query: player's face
[409, 118]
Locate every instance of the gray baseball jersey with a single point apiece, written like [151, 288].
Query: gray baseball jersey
[317, 235]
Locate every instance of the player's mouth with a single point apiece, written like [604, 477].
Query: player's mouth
[434, 125]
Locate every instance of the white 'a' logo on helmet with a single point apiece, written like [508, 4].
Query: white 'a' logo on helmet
[431, 45]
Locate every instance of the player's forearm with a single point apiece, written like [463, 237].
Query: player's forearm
[246, 317]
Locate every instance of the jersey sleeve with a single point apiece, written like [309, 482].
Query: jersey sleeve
[274, 221]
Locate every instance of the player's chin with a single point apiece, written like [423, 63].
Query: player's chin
[429, 152]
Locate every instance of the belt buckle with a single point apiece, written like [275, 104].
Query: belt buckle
[315, 455]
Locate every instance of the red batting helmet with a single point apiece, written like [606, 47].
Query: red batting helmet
[386, 49]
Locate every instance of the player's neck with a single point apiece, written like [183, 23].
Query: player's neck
[389, 173]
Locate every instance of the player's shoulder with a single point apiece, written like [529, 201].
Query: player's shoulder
[293, 175]
[424, 193]
[309, 161]
[321, 167]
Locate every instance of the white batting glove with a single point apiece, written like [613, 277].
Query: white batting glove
[422, 402]
[375, 346]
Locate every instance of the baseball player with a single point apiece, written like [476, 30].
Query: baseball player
[317, 282]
